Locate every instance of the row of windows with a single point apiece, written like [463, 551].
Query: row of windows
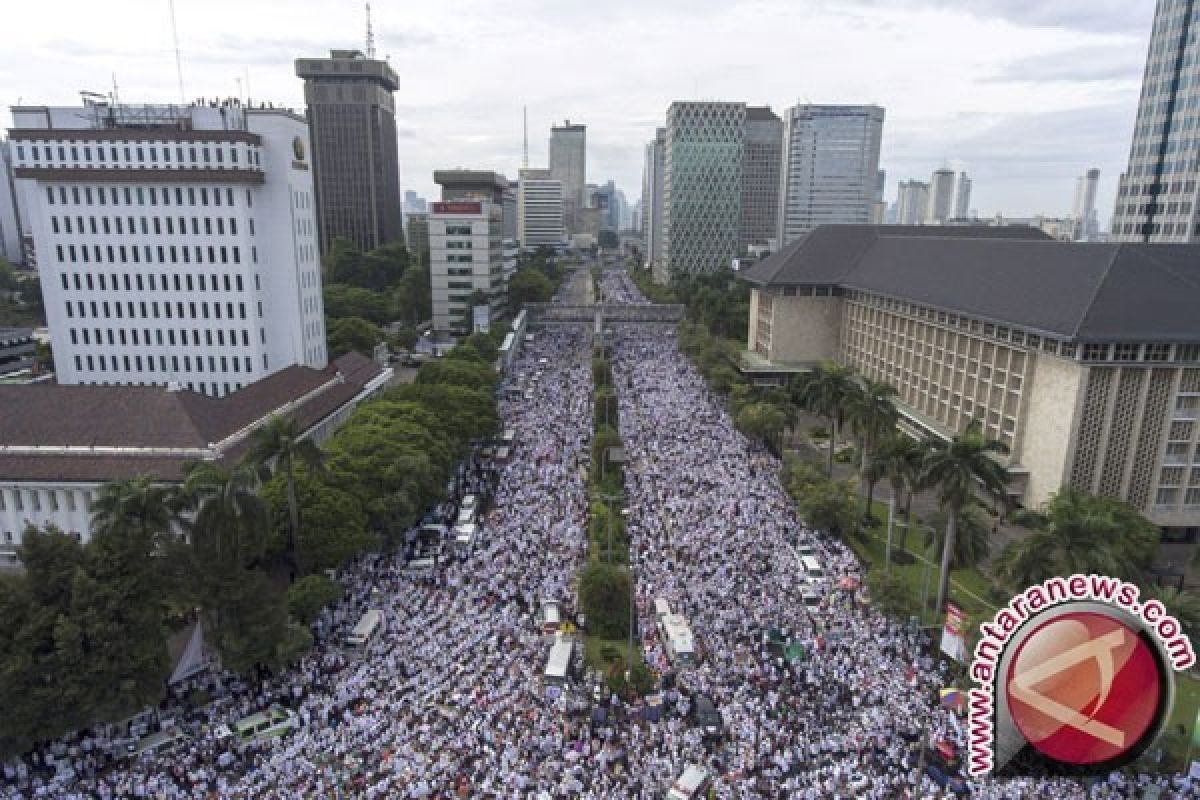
[140, 154]
[135, 363]
[1155, 228]
[130, 337]
[111, 195]
[1154, 208]
[18, 497]
[114, 282]
[1155, 352]
[130, 310]
[127, 226]
[166, 254]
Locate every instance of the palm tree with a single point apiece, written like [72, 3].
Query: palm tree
[898, 460]
[824, 391]
[231, 520]
[1182, 605]
[1083, 534]
[280, 442]
[955, 469]
[137, 505]
[871, 411]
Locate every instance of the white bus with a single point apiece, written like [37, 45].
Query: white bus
[558, 664]
[677, 640]
[358, 641]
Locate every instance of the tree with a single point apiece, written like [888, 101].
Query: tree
[279, 445]
[1183, 605]
[231, 520]
[830, 506]
[307, 596]
[890, 593]
[955, 469]
[412, 298]
[528, 286]
[871, 411]
[250, 618]
[482, 345]
[899, 461]
[137, 507]
[605, 593]
[352, 334]
[974, 535]
[762, 421]
[471, 374]
[333, 525]
[342, 300]
[824, 392]
[1084, 533]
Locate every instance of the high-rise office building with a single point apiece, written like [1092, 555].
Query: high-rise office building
[352, 126]
[830, 167]
[702, 186]
[414, 202]
[568, 166]
[1157, 196]
[11, 248]
[416, 235]
[466, 255]
[912, 199]
[177, 244]
[652, 201]
[941, 197]
[1087, 225]
[761, 160]
[879, 207]
[962, 196]
[539, 209]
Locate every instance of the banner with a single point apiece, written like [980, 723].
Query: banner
[952, 633]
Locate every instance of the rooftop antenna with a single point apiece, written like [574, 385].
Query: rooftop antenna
[370, 35]
[525, 126]
[116, 99]
[178, 60]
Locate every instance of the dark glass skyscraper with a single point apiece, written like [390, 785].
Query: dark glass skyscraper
[352, 127]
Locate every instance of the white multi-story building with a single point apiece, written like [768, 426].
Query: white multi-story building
[466, 254]
[539, 209]
[941, 197]
[830, 167]
[912, 198]
[176, 244]
[962, 196]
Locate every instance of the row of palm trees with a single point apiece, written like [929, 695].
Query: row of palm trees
[218, 506]
[955, 469]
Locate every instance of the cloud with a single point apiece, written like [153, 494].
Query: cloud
[1089, 16]
[1080, 65]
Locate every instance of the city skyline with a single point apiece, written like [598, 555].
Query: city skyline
[1040, 93]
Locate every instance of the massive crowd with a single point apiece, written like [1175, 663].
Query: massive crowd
[449, 700]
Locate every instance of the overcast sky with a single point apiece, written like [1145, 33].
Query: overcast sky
[1027, 94]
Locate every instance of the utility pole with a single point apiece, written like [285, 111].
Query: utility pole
[887, 558]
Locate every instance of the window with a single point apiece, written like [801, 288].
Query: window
[1095, 352]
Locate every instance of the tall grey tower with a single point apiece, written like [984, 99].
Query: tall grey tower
[568, 166]
[941, 197]
[830, 167]
[1087, 226]
[352, 127]
[1157, 198]
[652, 202]
[761, 161]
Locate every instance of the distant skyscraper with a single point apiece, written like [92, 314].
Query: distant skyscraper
[652, 201]
[568, 166]
[941, 197]
[1157, 198]
[962, 196]
[879, 208]
[830, 169]
[761, 161]
[10, 221]
[413, 202]
[1087, 226]
[539, 209]
[416, 235]
[217, 285]
[912, 199]
[702, 185]
[352, 126]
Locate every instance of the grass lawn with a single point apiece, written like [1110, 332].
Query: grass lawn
[1187, 700]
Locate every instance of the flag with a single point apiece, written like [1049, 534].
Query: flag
[953, 698]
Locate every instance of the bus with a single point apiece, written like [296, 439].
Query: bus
[812, 567]
[558, 664]
[358, 641]
[677, 640]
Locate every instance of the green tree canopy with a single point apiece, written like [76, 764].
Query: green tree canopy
[342, 301]
[307, 596]
[529, 286]
[333, 525]
[351, 334]
[472, 375]
[605, 593]
[830, 506]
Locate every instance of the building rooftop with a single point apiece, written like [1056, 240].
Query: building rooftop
[50, 432]
[1009, 275]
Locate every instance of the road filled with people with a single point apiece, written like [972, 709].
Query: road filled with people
[774, 681]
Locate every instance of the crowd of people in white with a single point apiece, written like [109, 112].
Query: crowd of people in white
[448, 701]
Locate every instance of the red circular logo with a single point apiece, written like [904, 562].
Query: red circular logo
[1084, 688]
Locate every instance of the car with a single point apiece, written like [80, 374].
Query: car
[159, 743]
[466, 516]
[414, 359]
[276, 721]
[465, 536]
[706, 717]
[691, 785]
[469, 502]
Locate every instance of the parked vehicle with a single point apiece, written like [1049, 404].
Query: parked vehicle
[706, 717]
[274, 722]
[691, 785]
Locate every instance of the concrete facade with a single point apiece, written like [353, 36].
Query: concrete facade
[795, 330]
[1050, 413]
[466, 254]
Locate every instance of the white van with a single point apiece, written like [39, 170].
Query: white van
[558, 664]
[552, 616]
[677, 640]
[661, 609]
[812, 567]
[464, 536]
[692, 784]
[466, 516]
[358, 641]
